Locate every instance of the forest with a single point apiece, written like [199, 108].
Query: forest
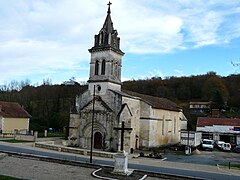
[50, 105]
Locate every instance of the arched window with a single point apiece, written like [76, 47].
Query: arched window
[116, 70]
[96, 67]
[103, 67]
[101, 37]
[112, 68]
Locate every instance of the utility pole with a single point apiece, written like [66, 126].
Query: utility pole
[92, 124]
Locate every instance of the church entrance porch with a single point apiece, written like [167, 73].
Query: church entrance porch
[97, 144]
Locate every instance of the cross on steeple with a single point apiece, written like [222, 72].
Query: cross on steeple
[122, 133]
[109, 4]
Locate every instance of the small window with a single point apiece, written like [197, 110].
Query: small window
[96, 67]
[103, 67]
[116, 70]
[101, 38]
[112, 67]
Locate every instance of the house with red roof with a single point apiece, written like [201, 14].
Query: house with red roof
[219, 129]
[13, 117]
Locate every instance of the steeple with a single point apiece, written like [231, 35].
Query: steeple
[106, 58]
[108, 25]
[107, 36]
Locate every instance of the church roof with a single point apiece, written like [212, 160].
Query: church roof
[12, 110]
[155, 102]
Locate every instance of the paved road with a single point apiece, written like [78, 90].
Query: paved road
[208, 172]
[206, 157]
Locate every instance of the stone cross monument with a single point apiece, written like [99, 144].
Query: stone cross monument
[121, 158]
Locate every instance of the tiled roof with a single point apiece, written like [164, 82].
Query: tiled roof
[156, 102]
[201, 103]
[208, 121]
[12, 110]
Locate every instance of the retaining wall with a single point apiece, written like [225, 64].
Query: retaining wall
[50, 145]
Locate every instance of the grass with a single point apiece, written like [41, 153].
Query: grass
[232, 165]
[56, 134]
[14, 141]
[51, 134]
[2, 177]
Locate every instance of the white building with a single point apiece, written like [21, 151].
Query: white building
[154, 121]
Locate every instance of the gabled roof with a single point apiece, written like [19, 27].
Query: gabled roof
[201, 103]
[122, 108]
[209, 121]
[12, 110]
[99, 99]
[155, 102]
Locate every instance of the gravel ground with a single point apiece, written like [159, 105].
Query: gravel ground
[35, 169]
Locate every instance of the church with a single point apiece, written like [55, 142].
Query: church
[104, 107]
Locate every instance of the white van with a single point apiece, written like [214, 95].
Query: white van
[207, 144]
[226, 147]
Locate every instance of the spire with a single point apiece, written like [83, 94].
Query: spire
[107, 36]
[108, 24]
[109, 10]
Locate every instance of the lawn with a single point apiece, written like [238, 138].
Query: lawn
[2, 177]
[232, 165]
[15, 141]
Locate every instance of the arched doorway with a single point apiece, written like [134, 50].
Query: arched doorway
[97, 140]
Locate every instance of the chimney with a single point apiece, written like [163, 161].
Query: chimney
[215, 113]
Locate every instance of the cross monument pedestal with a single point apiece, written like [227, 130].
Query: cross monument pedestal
[121, 163]
[121, 158]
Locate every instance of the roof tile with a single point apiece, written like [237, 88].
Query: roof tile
[209, 121]
[12, 110]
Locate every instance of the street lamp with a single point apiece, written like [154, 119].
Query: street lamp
[92, 124]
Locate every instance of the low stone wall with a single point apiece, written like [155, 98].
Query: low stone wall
[51, 146]
[24, 137]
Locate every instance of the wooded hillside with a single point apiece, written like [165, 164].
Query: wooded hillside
[50, 105]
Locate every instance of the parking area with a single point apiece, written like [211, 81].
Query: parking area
[204, 157]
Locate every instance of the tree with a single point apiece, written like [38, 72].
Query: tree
[217, 101]
[213, 87]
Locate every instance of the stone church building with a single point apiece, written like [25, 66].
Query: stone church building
[154, 121]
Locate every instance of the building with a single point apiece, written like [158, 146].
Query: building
[200, 108]
[154, 121]
[13, 118]
[219, 129]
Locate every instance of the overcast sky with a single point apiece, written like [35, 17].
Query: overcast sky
[49, 39]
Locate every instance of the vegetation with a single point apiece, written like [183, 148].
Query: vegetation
[236, 165]
[14, 141]
[2, 177]
[50, 104]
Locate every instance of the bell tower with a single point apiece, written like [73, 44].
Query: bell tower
[106, 59]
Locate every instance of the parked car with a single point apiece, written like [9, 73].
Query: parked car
[237, 149]
[226, 147]
[207, 144]
[218, 144]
